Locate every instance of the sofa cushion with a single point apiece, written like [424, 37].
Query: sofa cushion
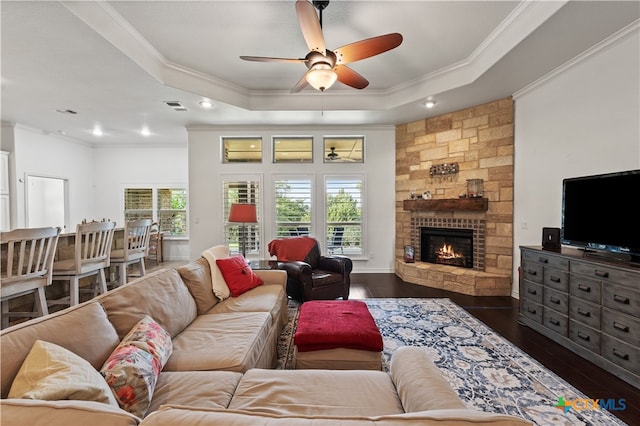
[206, 389]
[238, 275]
[218, 283]
[177, 415]
[197, 277]
[414, 373]
[231, 342]
[317, 392]
[93, 338]
[133, 368]
[51, 372]
[63, 413]
[162, 295]
[265, 298]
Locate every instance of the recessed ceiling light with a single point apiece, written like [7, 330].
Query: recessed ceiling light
[430, 103]
[145, 131]
[97, 131]
[206, 104]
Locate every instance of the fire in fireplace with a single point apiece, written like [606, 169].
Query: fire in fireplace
[447, 246]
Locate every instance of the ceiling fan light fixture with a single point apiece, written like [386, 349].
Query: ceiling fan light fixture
[321, 76]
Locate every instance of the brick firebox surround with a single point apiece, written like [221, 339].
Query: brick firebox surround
[480, 140]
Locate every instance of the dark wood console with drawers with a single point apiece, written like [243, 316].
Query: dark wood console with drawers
[587, 304]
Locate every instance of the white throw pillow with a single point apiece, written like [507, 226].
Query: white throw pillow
[52, 373]
[218, 283]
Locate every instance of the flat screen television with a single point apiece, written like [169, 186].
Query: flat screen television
[601, 213]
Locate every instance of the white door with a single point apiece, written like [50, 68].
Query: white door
[46, 201]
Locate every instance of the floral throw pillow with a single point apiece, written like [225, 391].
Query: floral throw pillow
[238, 275]
[133, 368]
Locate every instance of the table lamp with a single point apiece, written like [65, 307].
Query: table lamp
[243, 213]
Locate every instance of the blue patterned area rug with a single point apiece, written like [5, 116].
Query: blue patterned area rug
[487, 371]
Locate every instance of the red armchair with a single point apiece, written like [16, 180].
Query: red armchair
[310, 275]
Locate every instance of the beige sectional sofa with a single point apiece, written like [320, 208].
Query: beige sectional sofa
[221, 369]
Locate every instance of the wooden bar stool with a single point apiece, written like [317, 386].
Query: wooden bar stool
[27, 260]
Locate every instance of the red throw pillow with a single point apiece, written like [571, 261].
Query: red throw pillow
[238, 275]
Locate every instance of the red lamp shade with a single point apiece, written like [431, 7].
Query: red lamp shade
[243, 213]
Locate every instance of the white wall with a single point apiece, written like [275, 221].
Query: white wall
[205, 187]
[49, 155]
[583, 119]
[116, 167]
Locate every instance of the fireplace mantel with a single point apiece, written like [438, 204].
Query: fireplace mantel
[450, 204]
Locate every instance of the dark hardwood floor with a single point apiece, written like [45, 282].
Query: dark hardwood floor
[501, 315]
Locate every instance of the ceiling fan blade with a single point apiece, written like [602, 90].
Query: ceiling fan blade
[367, 48]
[267, 59]
[301, 84]
[310, 26]
[349, 77]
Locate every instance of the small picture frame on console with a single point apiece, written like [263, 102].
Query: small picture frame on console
[409, 254]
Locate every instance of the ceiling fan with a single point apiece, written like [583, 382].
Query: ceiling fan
[333, 155]
[326, 66]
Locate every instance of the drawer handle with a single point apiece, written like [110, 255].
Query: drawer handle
[554, 279]
[602, 274]
[532, 272]
[621, 327]
[583, 336]
[554, 300]
[543, 260]
[585, 288]
[532, 291]
[620, 355]
[554, 321]
[531, 310]
[584, 313]
[621, 299]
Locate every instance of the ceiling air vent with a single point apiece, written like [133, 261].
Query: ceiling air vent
[177, 106]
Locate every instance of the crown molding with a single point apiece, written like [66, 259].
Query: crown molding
[593, 50]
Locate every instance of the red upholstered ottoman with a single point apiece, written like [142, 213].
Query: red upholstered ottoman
[337, 335]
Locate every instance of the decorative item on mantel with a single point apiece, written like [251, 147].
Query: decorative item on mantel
[475, 188]
[443, 170]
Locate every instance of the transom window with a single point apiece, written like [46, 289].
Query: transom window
[344, 149]
[242, 150]
[293, 149]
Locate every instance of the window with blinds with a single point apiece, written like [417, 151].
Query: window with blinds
[293, 205]
[344, 204]
[166, 206]
[138, 203]
[238, 190]
[171, 213]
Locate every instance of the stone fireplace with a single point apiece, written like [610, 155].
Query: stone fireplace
[479, 141]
